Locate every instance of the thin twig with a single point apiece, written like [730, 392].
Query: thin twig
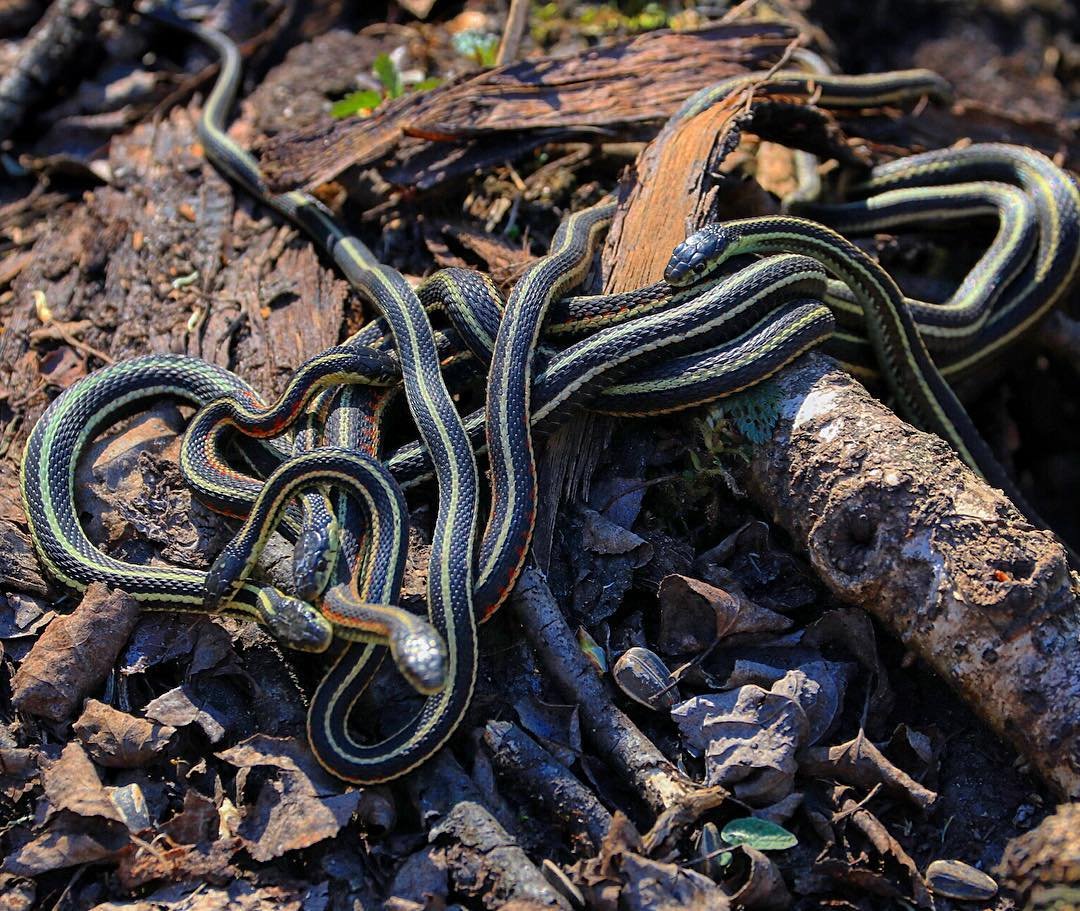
[516, 22]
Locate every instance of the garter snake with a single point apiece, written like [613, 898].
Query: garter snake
[1050, 272]
[450, 578]
[912, 377]
[953, 323]
[371, 616]
[48, 489]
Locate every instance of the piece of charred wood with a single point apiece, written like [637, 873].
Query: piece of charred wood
[49, 55]
[626, 89]
[533, 770]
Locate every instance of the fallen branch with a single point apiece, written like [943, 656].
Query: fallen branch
[894, 522]
[533, 770]
[612, 733]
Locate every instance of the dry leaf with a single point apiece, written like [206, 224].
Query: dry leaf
[694, 614]
[72, 783]
[75, 654]
[749, 738]
[859, 762]
[117, 740]
[301, 807]
[68, 841]
[181, 706]
[196, 823]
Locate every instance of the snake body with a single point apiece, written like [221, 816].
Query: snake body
[697, 336]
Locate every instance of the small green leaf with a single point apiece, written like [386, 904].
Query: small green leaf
[357, 101]
[389, 75]
[428, 84]
[483, 47]
[758, 833]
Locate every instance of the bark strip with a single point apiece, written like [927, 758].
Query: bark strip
[621, 89]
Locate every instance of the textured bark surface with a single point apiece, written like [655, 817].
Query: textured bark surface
[618, 88]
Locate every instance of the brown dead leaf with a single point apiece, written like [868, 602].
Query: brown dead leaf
[650, 885]
[620, 877]
[68, 840]
[423, 880]
[301, 807]
[604, 537]
[695, 614]
[196, 823]
[162, 638]
[108, 480]
[749, 738]
[74, 654]
[23, 615]
[182, 706]
[764, 888]
[858, 762]
[286, 753]
[239, 895]
[72, 783]
[117, 740]
[853, 628]
[209, 863]
[62, 366]
[18, 771]
[289, 815]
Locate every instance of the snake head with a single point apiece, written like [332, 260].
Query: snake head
[294, 623]
[315, 555]
[420, 655]
[697, 256]
[224, 579]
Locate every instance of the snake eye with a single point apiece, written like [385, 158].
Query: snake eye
[700, 267]
[321, 565]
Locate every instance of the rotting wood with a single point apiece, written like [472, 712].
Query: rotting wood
[167, 259]
[619, 89]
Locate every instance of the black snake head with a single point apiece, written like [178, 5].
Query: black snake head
[695, 257]
[294, 623]
[420, 655]
[223, 580]
[315, 555]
